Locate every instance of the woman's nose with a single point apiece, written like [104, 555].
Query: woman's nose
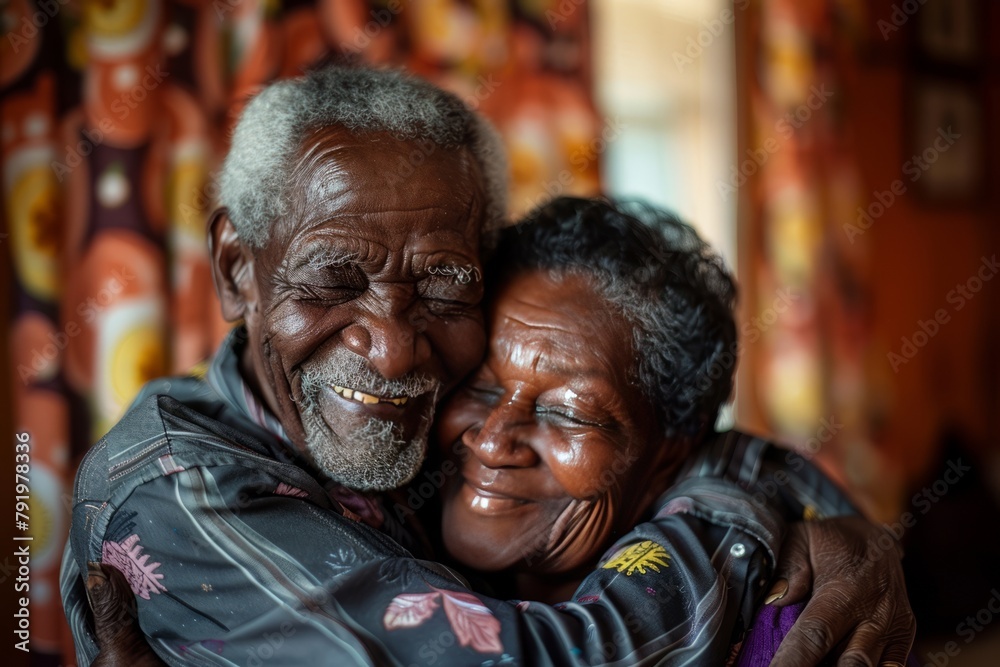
[505, 438]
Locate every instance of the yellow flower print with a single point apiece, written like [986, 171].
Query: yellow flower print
[637, 557]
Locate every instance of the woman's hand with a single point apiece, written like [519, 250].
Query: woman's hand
[858, 606]
[116, 621]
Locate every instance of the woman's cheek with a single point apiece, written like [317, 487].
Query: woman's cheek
[579, 535]
[589, 474]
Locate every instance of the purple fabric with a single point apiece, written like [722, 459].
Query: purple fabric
[770, 626]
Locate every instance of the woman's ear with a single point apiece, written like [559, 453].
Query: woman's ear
[232, 266]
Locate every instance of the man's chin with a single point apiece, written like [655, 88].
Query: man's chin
[365, 455]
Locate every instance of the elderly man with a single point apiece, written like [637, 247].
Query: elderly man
[245, 505]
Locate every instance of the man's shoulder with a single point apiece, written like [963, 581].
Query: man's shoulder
[155, 412]
[770, 469]
[734, 454]
[173, 422]
[161, 436]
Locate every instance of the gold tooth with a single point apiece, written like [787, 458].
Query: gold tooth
[369, 399]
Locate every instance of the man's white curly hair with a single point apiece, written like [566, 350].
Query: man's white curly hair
[268, 137]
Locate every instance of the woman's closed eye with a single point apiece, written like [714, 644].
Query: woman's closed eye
[569, 416]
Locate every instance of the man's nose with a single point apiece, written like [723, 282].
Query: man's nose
[504, 440]
[389, 338]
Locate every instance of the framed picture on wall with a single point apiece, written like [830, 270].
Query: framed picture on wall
[946, 157]
[950, 32]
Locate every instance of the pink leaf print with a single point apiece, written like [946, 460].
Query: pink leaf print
[127, 556]
[409, 610]
[474, 624]
[289, 490]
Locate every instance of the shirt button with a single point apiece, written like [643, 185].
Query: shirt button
[738, 550]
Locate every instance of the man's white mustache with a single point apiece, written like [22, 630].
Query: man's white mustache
[343, 368]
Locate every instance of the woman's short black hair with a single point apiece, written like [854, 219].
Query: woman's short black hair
[673, 290]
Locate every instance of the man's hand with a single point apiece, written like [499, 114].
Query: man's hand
[858, 606]
[116, 622]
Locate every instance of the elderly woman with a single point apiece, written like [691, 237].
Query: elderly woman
[602, 330]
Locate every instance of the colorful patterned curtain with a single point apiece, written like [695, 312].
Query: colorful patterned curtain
[811, 366]
[115, 114]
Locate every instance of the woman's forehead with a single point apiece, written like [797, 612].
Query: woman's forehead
[557, 325]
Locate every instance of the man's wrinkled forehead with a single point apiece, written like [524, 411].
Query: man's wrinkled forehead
[341, 175]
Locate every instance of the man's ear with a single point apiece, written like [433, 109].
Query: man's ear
[232, 266]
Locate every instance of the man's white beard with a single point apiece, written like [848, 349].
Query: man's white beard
[375, 456]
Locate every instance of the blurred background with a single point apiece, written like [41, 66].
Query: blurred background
[837, 153]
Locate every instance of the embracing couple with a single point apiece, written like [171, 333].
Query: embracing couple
[560, 378]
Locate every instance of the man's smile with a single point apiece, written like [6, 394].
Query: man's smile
[362, 397]
[338, 402]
